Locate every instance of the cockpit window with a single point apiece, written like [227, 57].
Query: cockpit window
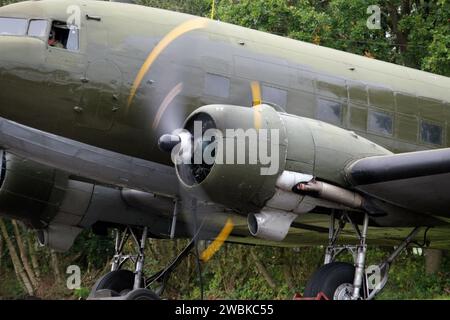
[38, 28]
[64, 36]
[13, 26]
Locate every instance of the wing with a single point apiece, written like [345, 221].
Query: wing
[418, 181]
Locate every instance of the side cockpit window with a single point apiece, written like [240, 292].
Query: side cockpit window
[38, 28]
[63, 36]
[13, 26]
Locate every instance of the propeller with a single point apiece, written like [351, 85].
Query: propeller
[171, 112]
[184, 146]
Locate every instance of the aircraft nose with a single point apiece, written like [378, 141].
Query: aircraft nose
[21, 51]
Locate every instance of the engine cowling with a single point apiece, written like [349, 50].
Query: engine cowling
[29, 191]
[294, 144]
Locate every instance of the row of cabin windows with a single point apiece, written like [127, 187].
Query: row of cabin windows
[342, 91]
[376, 121]
[60, 35]
[332, 111]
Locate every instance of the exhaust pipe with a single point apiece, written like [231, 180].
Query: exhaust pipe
[292, 188]
[270, 225]
[329, 192]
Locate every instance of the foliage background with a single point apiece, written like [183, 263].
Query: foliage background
[414, 33]
[233, 273]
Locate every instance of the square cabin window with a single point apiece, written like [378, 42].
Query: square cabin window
[217, 86]
[275, 96]
[38, 28]
[329, 111]
[380, 122]
[431, 133]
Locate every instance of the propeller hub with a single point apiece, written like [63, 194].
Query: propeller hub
[168, 141]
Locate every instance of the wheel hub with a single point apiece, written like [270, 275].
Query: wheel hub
[343, 292]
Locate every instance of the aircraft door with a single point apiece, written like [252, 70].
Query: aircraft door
[103, 80]
[101, 94]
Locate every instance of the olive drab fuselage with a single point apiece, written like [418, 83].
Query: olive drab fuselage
[87, 94]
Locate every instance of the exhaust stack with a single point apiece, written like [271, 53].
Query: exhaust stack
[329, 192]
[270, 225]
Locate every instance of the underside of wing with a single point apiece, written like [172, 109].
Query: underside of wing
[417, 181]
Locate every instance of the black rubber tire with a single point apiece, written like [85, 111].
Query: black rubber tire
[328, 278]
[116, 281]
[142, 294]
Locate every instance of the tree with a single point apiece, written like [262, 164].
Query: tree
[17, 264]
[414, 33]
[5, 2]
[33, 254]
[24, 255]
[433, 259]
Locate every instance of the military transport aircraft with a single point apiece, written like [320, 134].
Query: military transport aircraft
[92, 94]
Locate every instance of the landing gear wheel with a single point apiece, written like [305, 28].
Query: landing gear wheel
[334, 279]
[142, 294]
[116, 281]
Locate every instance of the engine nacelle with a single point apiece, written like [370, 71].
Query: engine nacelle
[30, 191]
[59, 206]
[233, 144]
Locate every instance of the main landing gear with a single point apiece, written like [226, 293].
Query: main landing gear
[344, 281]
[121, 284]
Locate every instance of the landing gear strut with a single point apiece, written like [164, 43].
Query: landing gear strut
[123, 284]
[344, 281]
[138, 259]
[120, 284]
